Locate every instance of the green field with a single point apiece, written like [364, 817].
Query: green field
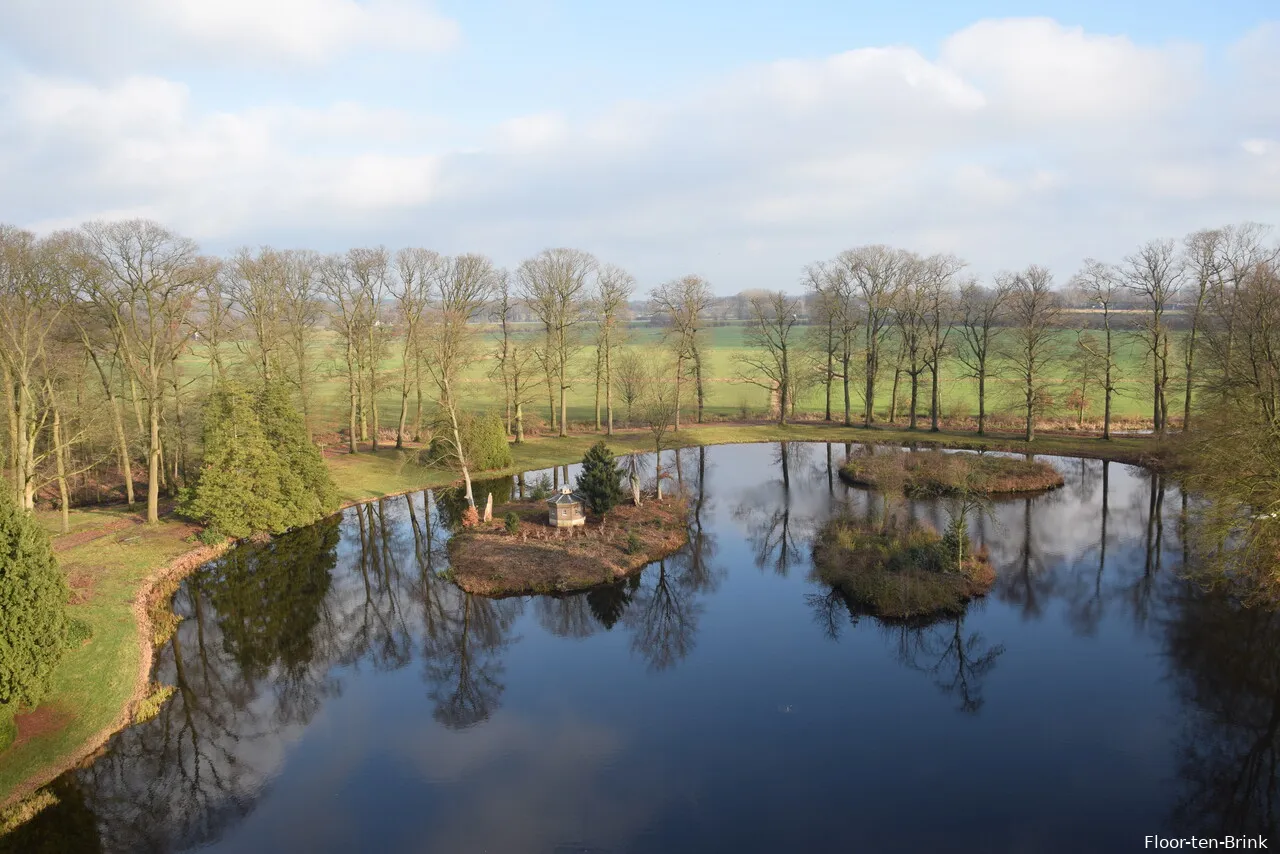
[729, 395]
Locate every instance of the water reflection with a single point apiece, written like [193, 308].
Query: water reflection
[722, 697]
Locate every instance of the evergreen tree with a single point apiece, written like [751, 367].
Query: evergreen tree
[286, 434]
[600, 481]
[484, 441]
[33, 620]
[244, 485]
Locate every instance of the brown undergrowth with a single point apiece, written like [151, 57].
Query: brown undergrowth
[536, 558]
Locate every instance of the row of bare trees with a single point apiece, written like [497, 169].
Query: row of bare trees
[110, 335]
[877, 311]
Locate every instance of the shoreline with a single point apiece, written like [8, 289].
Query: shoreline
[1128, 450]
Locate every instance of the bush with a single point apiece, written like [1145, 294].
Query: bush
[33, 619]
[78, 631]
[634, 544]
[484, 441]
[470, 517]
[541, 488]
[210, 536]
[600, 481]
[511, 522]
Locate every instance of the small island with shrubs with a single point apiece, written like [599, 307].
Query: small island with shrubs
[520, 552]
[897, 571]
[935, 473]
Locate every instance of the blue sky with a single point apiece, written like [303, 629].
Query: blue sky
[738, 140]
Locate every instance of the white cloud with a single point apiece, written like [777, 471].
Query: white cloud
[129, 34]
[1023, 141]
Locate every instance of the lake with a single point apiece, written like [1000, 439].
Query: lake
[336, 692]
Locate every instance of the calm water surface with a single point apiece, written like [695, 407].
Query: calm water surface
[337, 693]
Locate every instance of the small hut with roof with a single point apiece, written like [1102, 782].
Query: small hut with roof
[566, 509]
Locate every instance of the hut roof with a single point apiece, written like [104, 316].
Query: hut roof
[565, 496]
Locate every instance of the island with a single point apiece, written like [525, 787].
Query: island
[520, 551]
[901, 573]
[935, 473]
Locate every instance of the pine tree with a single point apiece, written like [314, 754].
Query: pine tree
[286, 434]
[33, 621]
[244, 485]
[600, 481]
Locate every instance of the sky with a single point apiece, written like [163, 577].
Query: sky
[737, 140]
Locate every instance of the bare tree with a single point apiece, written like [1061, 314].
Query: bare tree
[450, 338]
[300, 307]
[369, 269]
[255, 283]
[29, 313]
[1099, 284]
[347, 317]
[632, 376]
[1033, 314]
[1154, 274]
[876, 274]
[937, 280]
[909, 317]
[1201, 260]
[684, 302]
[658, 412]
[555, 287]
[767, 361]
[980, 313]
[416, 273]
[148, 282]
[614, 286]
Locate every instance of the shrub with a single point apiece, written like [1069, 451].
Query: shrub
[634, 544]
[78, 631]
[484, 441]
[33, 619]
[470, 517]
[511, 522]
[210, 536]
[600, 481]
[541, 488]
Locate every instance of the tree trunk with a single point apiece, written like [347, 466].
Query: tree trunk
[599, 360]
[60, 458]
[933, 397]
[1030, 432]
[519, 423]
[117, 423]
[697, 379]
[679, 376]
[845, 364]
[153, 462]
[608, 387]
[982, 397]
[373, 399]
[915, 401]
[353, 392]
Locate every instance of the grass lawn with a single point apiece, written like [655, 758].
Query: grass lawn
[110, 554]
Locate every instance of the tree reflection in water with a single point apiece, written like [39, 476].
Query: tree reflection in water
[1225, 666]
[272, 631]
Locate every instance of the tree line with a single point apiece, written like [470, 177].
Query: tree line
[113, 334]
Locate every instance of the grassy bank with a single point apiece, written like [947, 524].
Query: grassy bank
[112, 559]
